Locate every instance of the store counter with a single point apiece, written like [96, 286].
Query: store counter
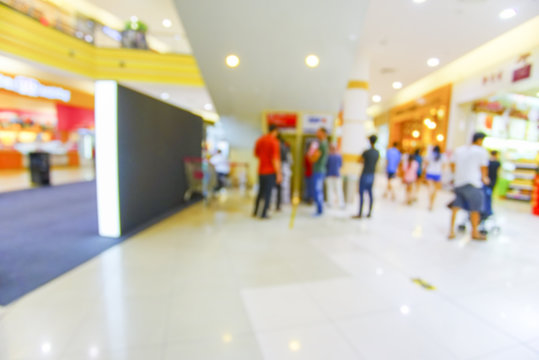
[11, 159]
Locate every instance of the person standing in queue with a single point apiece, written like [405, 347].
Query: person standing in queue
[470, 166]
[369, 159]
[319, 159]
[393, 160]
[334, 181]
[267, 150]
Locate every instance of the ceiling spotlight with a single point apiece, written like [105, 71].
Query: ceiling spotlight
[134, 19]
[419, 1]
[376, 98]
[416, 134]
[440, 137]
[167, 23]
[232, 61]
[507, 13]
[433, 62]
[397, 85]
[312, 61]
[208, 107]
[165, 96]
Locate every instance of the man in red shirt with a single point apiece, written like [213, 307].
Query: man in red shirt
[267, 150]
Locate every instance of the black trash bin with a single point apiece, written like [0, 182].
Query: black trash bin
[40, 167]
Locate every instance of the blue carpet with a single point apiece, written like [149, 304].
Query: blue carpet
[44, 233]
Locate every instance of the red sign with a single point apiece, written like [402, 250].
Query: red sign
[283, 120]
[522, 73]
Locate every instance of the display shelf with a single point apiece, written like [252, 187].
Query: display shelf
[518, 197]
[521, 186]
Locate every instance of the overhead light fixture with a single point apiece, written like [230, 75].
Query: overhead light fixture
[167, 23]
[134, 19]
[440, 137]
[507, 13]
[397, 85]
[433, 62]
[312, 61]
[208, 107]
[165, 96]
[419, 1]
[416, 134]
[430, 124]
[376, 98]
[232, 61]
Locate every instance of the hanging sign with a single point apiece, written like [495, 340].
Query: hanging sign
[26, 86]
[311, 123]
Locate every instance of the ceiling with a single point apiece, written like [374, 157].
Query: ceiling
[401, 35]
[272, 39]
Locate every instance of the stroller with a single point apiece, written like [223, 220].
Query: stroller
[488, 223]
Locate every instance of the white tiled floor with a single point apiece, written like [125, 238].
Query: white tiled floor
[214, 283]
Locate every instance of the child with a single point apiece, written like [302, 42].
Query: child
[410, 168]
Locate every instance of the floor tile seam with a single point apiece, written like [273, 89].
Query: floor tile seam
[482, 320]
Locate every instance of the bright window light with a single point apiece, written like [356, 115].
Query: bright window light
[106, 148]
[232, 61]
[507, 13]
[312, 61]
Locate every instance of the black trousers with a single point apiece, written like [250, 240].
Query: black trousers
[266, 184]
[279, 196]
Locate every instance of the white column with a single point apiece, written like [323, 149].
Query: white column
[356, 124]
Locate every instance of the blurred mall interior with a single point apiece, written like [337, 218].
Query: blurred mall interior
[128, 174]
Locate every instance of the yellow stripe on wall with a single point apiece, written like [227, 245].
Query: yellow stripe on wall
[358, 84]
[18, 36]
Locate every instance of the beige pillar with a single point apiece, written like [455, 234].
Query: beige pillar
[356, 126]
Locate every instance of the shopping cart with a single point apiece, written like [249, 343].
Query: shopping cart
[201, 178]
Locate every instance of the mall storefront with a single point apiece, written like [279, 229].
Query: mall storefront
[503, 102]
[38, 116]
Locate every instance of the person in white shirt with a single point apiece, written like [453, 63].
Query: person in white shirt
[434, 166]
[470, 168]
[222, 168]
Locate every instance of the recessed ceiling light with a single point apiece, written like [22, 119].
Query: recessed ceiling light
[376, 98]
[433, 62]
[507, 13]
[419, 1]
[167, 23]
[397, 85]
[165, 96]
[232, 61]
[440, 137]
[208, 107]
[416, 134]
[134, 19]
[312, 61]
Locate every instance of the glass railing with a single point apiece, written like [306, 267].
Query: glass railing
[81, 26]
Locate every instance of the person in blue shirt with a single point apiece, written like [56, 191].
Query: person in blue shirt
[393, 156]
[334, 184]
